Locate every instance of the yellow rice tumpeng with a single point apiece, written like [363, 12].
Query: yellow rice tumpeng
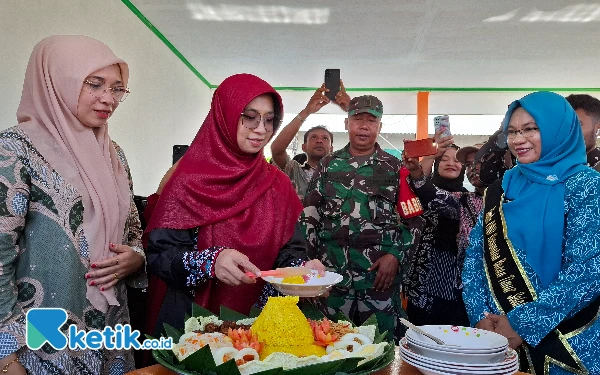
[283, 328]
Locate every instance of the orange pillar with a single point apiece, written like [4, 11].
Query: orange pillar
[422, 114]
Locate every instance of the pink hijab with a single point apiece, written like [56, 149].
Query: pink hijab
[83, 156]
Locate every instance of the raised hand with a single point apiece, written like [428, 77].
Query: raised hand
[317, 101]
[342, 99]
[442, 142]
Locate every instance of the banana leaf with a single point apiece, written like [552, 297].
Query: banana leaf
[386, 358]
[316, 369]
[199, 311]
[340, 316]
[254, 312]
[347, 365]
[365, 366]
[201, 362]
[311, 312]
[380, 337]
[274, 371]
[174, 333]
[232, 315]
[227, 368]
[372, 321]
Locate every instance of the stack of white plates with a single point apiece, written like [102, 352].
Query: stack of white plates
[468, 351]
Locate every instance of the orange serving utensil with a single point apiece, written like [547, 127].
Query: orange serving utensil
[283, 272]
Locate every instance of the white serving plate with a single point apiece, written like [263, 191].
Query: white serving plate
[510, 360]
[436, 370]
[454, 348]
[427, 370]
[478, 358]
[314, 287]
[466, 338]
[471, 370]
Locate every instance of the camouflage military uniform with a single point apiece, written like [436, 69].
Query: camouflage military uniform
[350, 221]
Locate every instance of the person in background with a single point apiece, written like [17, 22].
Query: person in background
[351, 223]
[430, 285]
[532, 269]
[318, 141]
[588, 111]
[495, 158]
[417, 222]
[460, 205]
[71, 235]
[467, 156]
[224, 211]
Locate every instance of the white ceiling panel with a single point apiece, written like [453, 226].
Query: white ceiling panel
[388, 43]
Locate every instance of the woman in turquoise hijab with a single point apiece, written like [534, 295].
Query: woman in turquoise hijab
[532, 270]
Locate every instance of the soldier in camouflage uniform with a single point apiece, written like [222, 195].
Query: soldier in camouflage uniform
[351, 224]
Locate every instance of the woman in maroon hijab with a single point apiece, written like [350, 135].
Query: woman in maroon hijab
[224, 211]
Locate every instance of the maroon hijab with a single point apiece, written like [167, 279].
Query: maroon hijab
[237, 200]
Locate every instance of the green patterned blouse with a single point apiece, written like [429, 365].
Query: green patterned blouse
[44, 258]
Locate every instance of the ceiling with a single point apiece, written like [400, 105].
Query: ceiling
[389, 44]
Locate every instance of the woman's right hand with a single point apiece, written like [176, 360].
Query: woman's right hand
[15, 368]
[486, 324]
[231, 266]
[442, 142]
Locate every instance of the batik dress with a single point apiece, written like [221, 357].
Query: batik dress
[44, 257]
[576, 286]
[459, 205]
[430, 283]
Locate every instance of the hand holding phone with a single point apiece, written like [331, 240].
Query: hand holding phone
[421, 147]
[332, 82]
[442, 122]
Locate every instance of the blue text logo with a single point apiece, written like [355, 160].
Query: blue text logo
[43, 326]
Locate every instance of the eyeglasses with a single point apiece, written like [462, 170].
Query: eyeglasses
[98, 90]
[251, 120]
[527, 132]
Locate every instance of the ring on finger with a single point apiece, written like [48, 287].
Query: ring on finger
[116, 276]
[117, 259]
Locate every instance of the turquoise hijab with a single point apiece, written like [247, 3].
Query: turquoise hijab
[536, 191]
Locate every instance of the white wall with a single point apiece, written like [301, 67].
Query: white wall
[168, 102]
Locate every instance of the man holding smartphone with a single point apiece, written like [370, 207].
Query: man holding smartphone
[318, 141]
[351, 223]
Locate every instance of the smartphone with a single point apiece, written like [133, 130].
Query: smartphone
[440, 122]
[178, 151]
[332, 82]
[421, 147]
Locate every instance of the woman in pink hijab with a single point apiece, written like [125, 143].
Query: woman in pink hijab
[69, 230]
